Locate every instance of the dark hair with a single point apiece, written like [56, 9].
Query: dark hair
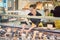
[33, 5]
[56, 11]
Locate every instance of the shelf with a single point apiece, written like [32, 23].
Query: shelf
[37, 17]
[38, 29]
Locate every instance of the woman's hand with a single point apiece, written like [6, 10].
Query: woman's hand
[27, 31]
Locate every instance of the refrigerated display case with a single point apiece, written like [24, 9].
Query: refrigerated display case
[34, 34]
[39, 33]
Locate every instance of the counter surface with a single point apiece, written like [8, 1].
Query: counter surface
[17, 24]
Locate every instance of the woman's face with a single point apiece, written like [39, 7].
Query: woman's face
[32, 10]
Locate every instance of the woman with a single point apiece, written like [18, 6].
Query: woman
[34, 12]
[35, 22]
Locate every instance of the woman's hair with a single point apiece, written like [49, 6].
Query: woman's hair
[56, 11]
[33, 6]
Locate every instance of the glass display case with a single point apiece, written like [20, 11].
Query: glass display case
[12, 30]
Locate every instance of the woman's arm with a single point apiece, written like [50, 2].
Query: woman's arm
[33, 26]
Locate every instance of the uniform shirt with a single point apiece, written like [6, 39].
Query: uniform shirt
[34, 20]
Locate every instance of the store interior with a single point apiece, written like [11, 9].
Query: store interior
[15, 21]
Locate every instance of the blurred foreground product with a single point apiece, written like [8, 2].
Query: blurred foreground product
[45, 37]
[34, 35]
[8, 32]
[15, 38]
[2, 31]
[29, 37]
[57, 24]
[40, 35]
[52, 37]
[23, 36]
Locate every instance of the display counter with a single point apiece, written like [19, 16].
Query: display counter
[44, 31]
[18, 25]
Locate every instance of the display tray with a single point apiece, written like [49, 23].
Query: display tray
[41, 29]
